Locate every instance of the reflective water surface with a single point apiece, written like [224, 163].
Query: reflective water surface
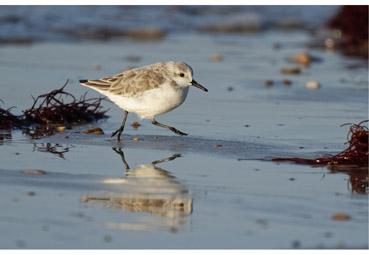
[146, 188]
[72, 190]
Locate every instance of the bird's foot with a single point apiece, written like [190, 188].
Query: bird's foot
[178, 132]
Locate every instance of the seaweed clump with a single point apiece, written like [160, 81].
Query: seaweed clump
[8, 120]
[353, 160]
[57, 108]
[352, 21]
[356, 154]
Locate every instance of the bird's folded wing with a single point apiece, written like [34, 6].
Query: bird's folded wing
[129, 83]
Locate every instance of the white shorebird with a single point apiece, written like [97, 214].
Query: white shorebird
[147, 91]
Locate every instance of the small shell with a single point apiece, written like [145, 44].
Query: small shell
[135, 124]
[94, 131]
[60, 128]
[216, 58]
[290, 70]
[136, 138]
[312, 85]
[34, 172]
[301, 58]
[341, 217]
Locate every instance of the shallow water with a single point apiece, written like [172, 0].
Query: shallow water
[221, 193]
[238, 203]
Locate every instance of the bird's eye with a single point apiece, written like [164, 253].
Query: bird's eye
[181, 74]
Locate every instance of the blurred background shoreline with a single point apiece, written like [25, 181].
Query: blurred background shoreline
[63, 23]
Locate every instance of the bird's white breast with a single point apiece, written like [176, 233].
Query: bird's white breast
[152, 102]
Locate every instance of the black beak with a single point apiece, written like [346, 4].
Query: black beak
[198, 85]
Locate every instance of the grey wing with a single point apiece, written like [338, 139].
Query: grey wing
[103, 84]
[135, 82]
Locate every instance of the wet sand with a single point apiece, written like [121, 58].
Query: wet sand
[223, 187]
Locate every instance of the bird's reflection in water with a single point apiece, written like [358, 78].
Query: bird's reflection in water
[147, 188]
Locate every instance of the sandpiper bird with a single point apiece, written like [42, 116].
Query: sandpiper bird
[147, 91]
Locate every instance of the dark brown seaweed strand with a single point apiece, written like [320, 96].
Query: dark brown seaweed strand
[53, 109]
[8, 120]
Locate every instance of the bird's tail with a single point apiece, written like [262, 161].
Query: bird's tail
[100, 84]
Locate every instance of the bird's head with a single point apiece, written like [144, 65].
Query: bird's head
[182, 74]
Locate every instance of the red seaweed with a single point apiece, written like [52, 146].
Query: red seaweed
[356, 154]
[353, 160]
[353, 22]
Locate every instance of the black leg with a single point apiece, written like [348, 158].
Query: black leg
[174, 130]
[166, 159]
[120, 130]
[121, 153]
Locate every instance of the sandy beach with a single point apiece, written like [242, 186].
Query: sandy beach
[224, 186]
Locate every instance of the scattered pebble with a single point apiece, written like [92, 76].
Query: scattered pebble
[218, 145]
[303, 58]
[60, 128]
[136, 138]
[312, 85]
[268, 83]
[108, 238]
[230, 88]
[247, 125]
[135, 124]
[95, 131]
[216, 58]
[341, 217]
[287, 82]
[34, 172]
[290, 70]
[31, 193]
[291, 179]
[84, 198]
[329, 43]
